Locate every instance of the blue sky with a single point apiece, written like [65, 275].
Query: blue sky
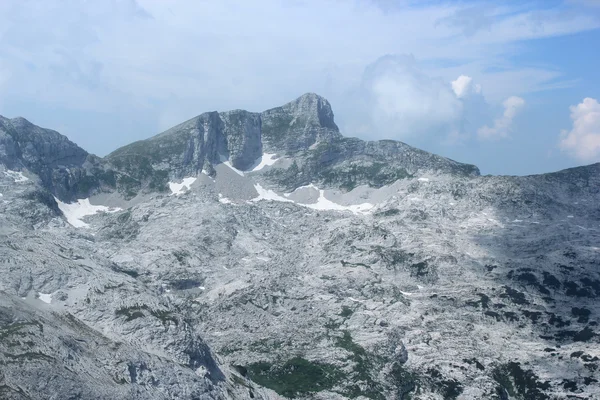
[512, 87]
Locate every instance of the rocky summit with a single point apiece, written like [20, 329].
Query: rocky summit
[244, 255]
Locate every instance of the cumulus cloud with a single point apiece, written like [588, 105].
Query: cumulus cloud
[502, 126]
[398, 99]
[583, 140]
[464, 86]
[402, 100]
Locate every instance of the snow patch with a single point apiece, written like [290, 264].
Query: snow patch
[17, 176]
[355, 300]
[181, 188]
[45, 297]
[309, 186]
[322, 203]
[265, 160]
[224, 200]
[73, 212]
[266, 194]
[423, 179]
[326, 204]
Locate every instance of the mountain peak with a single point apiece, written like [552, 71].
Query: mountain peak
[20, 122]
[316, 109]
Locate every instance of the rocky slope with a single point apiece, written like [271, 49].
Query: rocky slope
[240, 255]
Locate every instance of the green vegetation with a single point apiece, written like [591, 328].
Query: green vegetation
[375, 175]
[16, 328]
[404, 381]
[346, 312]
[131, 313]
[354, 265]
[295, 377]
[181, 256]
[519, 383]
[29, 356]
[362, 383]
[388, 213]
[419, 269]
[393, 258]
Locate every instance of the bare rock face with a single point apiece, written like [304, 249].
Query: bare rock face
[243, 135]
[296, 126]
[265, 256]
[64, 168]
[76, 361]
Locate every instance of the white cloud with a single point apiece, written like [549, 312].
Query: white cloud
[401, 100]
[463, 86]
[502, 126]
[186, 57]
[397, 99]
[583, 140]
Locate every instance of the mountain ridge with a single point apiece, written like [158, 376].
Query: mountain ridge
[303, 129]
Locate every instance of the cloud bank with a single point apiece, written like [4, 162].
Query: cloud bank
[398, 99]
[583, 141]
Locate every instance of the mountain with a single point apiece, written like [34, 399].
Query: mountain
[63, 167]
[265, 255]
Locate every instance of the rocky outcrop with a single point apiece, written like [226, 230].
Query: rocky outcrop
[65, 169]
[298, 125]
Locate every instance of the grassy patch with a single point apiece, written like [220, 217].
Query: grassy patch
[131, 313]
[295, 377]
[362, 383]
[519, 383]
[346, 312]
[15, 329]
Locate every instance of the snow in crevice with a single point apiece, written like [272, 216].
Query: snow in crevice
[45, 297]
[309, 186]
[17, 176]
[224, 200]
[423, 179]
[267, 159]
[182, 187]
[322, 202]
[74, 212]
[325, 204]
[266, 194]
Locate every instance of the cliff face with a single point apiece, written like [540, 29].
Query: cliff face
[65, 169]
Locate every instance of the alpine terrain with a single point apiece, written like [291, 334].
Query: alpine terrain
[244, 255]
